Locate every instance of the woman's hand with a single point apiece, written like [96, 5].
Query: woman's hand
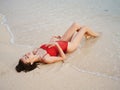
[55, 38]
[51, 44]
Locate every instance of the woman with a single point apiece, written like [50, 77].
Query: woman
[55, 50]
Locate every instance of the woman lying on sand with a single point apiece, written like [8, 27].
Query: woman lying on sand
[55, 50]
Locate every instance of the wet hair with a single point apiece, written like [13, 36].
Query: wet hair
[25, 67]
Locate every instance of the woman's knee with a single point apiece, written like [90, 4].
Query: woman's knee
[76, 25]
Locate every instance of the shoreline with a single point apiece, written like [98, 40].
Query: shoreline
[3, 24]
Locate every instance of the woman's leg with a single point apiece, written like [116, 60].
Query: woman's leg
[70, 32]
[73, 44]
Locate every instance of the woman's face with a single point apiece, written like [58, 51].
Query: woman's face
[27, 58]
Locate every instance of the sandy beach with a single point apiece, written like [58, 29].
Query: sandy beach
[95, 65]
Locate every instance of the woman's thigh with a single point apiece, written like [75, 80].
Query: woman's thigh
[71, 47]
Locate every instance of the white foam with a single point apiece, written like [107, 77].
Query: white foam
[96, 73]
[12, 40]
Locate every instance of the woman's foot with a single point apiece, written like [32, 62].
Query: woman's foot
[88, 36]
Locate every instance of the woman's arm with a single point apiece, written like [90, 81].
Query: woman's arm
[62, 54]
[52, 59]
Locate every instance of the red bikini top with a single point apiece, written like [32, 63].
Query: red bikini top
[53, 51]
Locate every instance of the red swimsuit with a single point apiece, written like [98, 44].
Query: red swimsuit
[53, 51]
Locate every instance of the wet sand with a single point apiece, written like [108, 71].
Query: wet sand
[95, 65]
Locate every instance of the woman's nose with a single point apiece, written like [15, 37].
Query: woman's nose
[27, 54]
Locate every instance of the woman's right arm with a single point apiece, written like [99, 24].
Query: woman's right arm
[62, 54]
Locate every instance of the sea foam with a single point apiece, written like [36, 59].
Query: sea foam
[12, 39]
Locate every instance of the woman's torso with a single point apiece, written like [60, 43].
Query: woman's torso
[53, 50]
[45, 51]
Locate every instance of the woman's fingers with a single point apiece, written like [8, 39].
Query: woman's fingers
[51, 44]
[55, 38]
[59, 37]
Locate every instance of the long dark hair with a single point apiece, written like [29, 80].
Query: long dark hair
[25, 67]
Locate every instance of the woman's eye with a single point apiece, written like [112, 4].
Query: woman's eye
[26, 57]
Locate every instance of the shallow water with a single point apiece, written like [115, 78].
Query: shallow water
[34, 22]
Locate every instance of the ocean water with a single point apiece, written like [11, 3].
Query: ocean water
[33, 22]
